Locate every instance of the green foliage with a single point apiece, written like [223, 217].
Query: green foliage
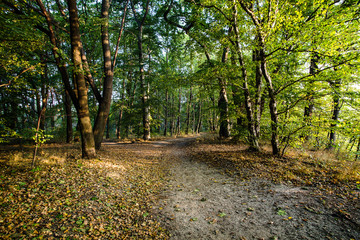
[6, 133]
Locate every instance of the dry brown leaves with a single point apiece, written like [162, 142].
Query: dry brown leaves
[69, 198]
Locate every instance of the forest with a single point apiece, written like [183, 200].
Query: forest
[273, 79]
[283, 72]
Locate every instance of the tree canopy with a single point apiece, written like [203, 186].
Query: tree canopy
[279, 72]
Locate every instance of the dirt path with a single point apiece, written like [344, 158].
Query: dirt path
[202, 202]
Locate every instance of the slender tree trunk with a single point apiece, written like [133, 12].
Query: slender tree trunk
[52, 122]
[178, 115]
[118, 130]
[43, 108]
[122, 95]
[309, 107]
[223, 103]
[44, 101]
[213, 115]
[68, 113]
[198, 125]
[253, 137]
[143, 84]
[108, 128]
[87, 136]
[188, 112]
[335, 115]
[357, 150]
[272, 103]
[259, 101]
[194, 119]
[166, 112]
[144, 97]
[44, 94]
[172, 112]
[104, 104]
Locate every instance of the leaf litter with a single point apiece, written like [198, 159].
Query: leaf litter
[177, 189]
[110, 197]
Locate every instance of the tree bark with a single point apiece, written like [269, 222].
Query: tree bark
[198, 124]
[68, 113]
[172, 112]
[223, 103]
[104, 104]
[166, 112]
[272, 106]
[259, 101]
[309, 107]
[108, 128]
[253, 137]
[335, 115]
[143, 84]
[119, 122]
[179, 114]
[188, 111]
[87, 136]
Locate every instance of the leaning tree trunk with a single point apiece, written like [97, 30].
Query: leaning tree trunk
[87, 136]
[78, 95]
[253, 137]
[272, 104]
[259, 101]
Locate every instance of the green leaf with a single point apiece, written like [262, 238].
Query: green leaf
[281, 212]
[222, 214]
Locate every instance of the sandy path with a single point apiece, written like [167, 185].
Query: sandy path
[201, 202]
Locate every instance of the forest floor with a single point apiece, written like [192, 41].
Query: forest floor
[183, 188]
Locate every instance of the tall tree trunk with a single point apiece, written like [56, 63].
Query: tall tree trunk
[87, 136]
[108, 128]
[259, 101]
[223, 103]
[44, 101]
[52, 118]
[104, 104]
[122, 96]
[198, 125]
[172, 112]
[178, 115]
[166, 112]
[213, 115]
[44, 91]
[272, 102]
[357, 150]
[118, 129]
[336, 111]
[68, 113]
[143, 84]
[188, 112]
[309, 107]
[224, 118]
[253, 137]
